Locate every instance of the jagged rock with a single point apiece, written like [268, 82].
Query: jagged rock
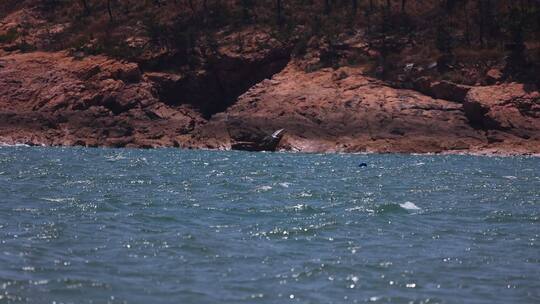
[442, 89]
[92, 101]
[513, 107]
[242, 60]
[355, 113]
[493, 76]
[267, 143]
[325, 113]
[164, 80]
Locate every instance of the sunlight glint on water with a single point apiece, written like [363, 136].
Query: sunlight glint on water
[170, 226]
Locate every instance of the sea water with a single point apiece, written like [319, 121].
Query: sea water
[170, 226]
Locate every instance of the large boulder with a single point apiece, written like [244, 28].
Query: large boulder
[442, 89]
[511, 107]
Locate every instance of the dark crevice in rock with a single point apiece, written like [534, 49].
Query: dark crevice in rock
[216, 88]
[478, 118]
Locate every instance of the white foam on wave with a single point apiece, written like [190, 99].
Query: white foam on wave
[58, 200]
[264, 188]
[409, 206]
[299, 207]
[510, 177]
[115, 157]
[305, 194]
[13, 145]
[285, 185]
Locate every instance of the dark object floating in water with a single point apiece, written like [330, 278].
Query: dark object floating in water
[268, 143]
[361, 165]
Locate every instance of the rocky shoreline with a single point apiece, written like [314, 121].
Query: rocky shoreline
[244, 85]
[54, 99]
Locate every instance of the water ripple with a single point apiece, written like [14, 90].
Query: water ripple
[159, 226]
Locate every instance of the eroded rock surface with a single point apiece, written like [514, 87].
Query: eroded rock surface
[239, 61]
[343, 110]
[508, 113]
[54, 99]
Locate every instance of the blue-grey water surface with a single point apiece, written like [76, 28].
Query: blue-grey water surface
[171, 226]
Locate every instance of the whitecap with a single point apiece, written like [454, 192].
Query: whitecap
[305, 194]
[264, 188]
[285, 185]
[300, 207]
[57, 200]
[510, 177]
[357, 208]
[13, 145]
[29, 268]
[137, 181]
[112, 158]
[409, 206]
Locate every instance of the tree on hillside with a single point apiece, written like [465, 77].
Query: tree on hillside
[278, 11]
[487, 27]
[444, 45]
[109, 10]
[327, 7]
[85, 7]
[246, 6]
[516, 59]
[467, 26]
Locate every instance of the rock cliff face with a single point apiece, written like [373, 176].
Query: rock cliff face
[235, 91]
[344, 111]
[230, 70]
[55, 99]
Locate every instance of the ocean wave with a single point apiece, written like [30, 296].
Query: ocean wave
[302, 208]
[296, 231]
[501, 216]
[113, 158]
[391, 208]
[58, 200]
[409, 206]
[263, 188]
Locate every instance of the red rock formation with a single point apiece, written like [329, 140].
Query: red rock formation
[73, 98]
[344, 111]
[54, 99]
[508, 113]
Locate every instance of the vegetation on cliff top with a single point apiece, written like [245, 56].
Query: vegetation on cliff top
[401, 40]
